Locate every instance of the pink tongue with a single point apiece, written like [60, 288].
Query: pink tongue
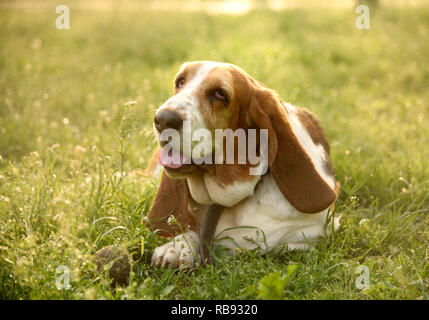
[169, 161]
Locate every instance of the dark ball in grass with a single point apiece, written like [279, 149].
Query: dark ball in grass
[117, 261]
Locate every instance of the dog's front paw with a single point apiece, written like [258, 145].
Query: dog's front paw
[181, 252]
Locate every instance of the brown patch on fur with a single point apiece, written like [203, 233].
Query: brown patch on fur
[317, 134]
[289, 164]
[227, 174]
[188, 70]
[172, 199]
[216, 113]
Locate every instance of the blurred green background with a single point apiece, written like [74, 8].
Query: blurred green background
[76, 110]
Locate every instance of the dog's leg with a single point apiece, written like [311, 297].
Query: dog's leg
[181, 252]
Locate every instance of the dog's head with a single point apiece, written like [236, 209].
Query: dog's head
[210, 96]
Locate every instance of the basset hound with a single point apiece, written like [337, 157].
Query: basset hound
[285, 206]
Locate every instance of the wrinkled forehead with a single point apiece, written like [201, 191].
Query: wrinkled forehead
[203, 68]
[208, 73]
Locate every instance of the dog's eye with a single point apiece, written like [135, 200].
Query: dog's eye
[220, 95]
[180, 82]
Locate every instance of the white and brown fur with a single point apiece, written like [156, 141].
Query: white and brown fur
[287, 206]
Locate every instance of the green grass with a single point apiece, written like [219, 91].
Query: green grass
[70, 146]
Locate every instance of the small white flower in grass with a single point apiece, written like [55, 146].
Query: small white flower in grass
[130, 103]
[402, 179]
[119, 174]
[363, 222]
[171, 220]
[34, 154]
[66, 121]
[4, 199]
[54, 146]
[79, 149]
[353, 199]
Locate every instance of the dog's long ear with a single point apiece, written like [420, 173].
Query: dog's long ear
[289, 164]
[171, 199]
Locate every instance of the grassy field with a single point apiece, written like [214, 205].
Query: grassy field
[76, 109]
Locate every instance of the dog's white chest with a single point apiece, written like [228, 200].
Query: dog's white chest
[269, 221]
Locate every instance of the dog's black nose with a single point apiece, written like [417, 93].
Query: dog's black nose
[167, 119]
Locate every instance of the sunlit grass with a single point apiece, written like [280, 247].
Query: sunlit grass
[76, 109]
